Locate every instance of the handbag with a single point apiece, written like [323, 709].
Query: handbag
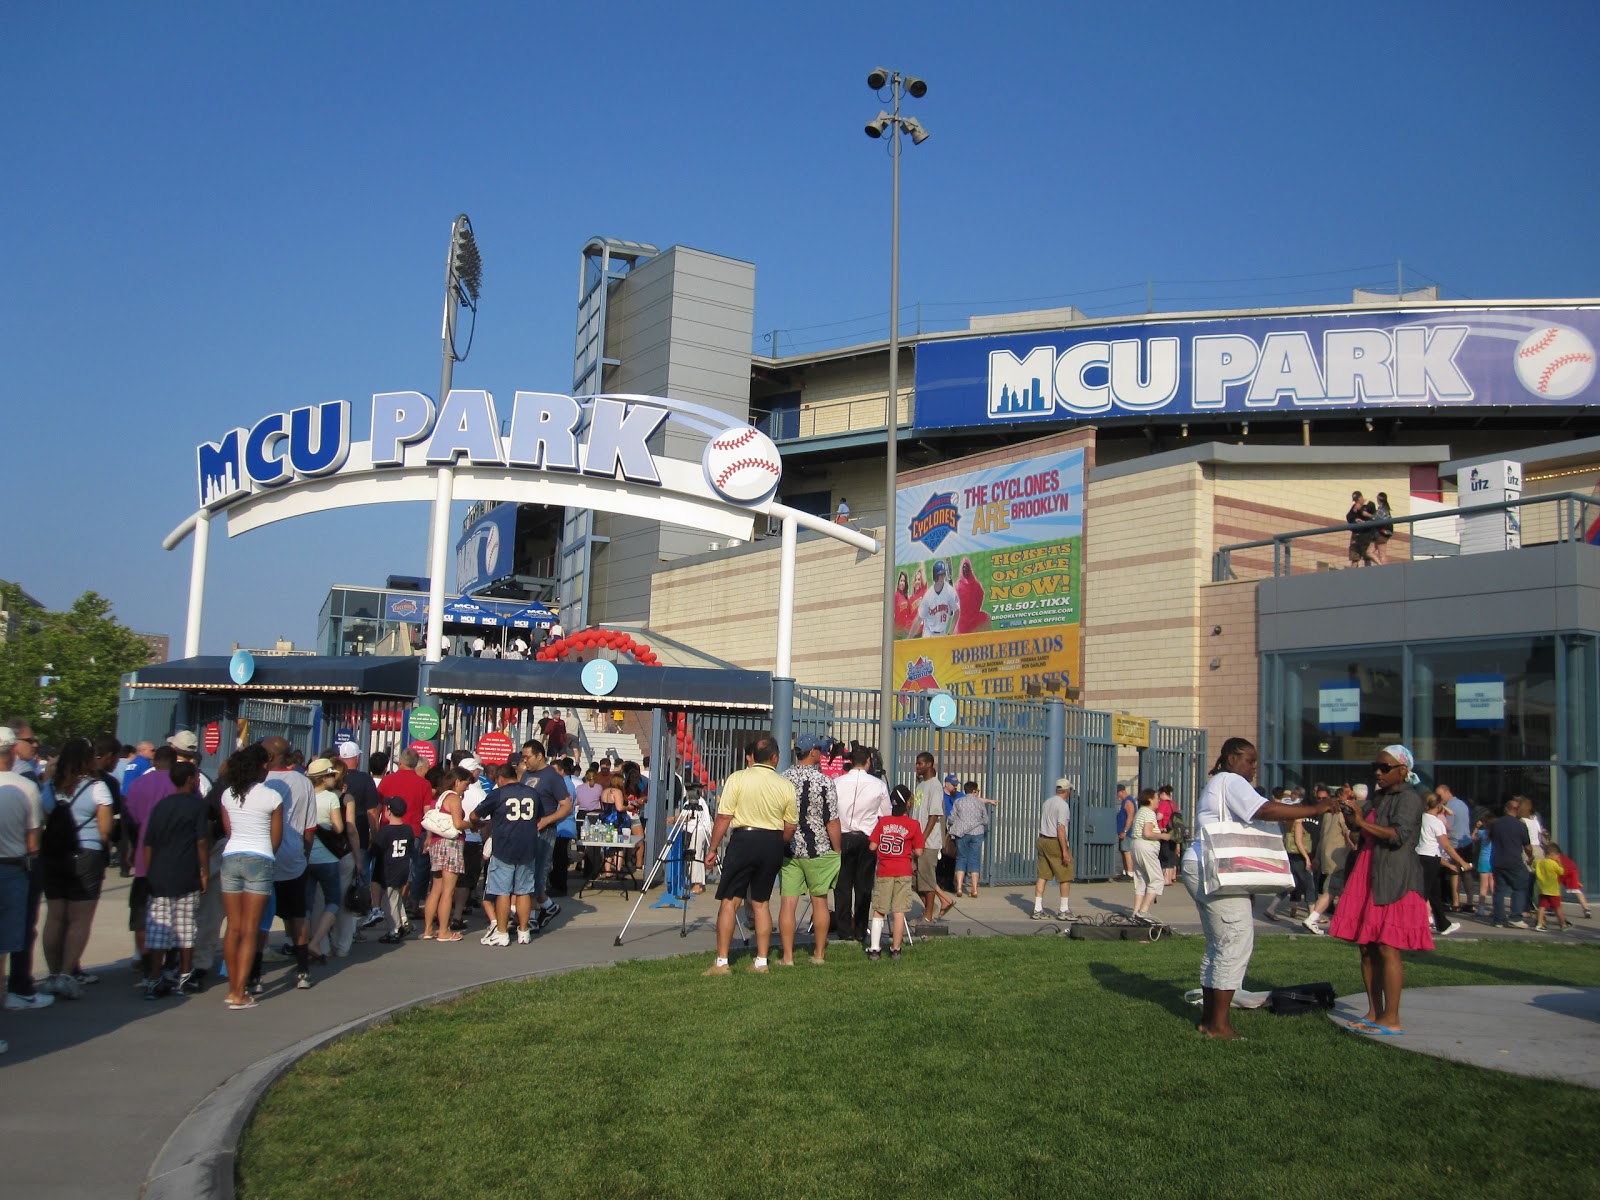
[1241, 860]
[439, 823]
[335, 841]
[355, 897]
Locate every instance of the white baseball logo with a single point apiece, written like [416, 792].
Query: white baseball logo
[742, 464]
[1555, 362]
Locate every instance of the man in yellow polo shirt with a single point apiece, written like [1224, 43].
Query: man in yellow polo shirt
[761, 807]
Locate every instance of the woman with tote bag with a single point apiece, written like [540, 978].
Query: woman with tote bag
[1228, 920]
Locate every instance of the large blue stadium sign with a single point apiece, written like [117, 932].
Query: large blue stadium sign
[1293, 365]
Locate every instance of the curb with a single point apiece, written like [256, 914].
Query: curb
[199, 1159]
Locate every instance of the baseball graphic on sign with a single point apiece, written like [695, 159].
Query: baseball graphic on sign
[1555, 362]
[742, 465]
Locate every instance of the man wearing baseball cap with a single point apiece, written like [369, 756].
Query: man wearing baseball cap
[1055, 855]
[363, 809]
[939, 608]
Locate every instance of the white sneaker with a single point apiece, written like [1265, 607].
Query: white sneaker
[16, 1003]
[499, 939]
[64, 986]
[1448, 929]
[1314, 926]
[488, 937]
[523, 937]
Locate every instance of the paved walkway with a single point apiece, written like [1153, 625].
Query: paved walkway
[111, 1076]
[1552, 1032]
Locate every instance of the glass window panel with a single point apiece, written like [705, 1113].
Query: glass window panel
[1583, 726]
[1527, 731]
[1376, 673]
[363, 604]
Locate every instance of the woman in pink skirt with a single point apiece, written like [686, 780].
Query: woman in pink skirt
[1382, 909]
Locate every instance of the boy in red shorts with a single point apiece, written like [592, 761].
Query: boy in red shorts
[897, 840]
[1569, 879]
[1548, 873]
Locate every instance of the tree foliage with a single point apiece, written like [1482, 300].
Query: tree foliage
[62, 670]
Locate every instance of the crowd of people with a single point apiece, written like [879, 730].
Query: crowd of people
[334, 851]
[325, 847]
[1395, 863]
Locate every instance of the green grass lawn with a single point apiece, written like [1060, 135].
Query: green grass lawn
[981, 1067]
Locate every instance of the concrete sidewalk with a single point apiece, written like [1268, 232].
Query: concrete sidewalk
[117, 1074]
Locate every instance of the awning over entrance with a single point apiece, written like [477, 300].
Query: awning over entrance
[637, 687]
[311, 674]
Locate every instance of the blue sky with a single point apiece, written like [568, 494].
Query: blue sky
[213, 212]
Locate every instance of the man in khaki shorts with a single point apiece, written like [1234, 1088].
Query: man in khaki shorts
[811, 867]
[1055, 854]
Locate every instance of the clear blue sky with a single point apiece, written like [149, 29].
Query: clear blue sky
[213, 212]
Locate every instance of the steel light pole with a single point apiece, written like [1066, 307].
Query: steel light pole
[889, 122]
[463, 277]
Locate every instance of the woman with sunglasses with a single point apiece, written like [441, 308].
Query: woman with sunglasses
[1383, 910]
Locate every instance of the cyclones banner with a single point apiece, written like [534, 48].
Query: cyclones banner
[989, 579]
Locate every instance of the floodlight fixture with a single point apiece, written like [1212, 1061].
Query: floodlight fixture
[878, 79]
[915, 129]
[878, 124]
[916, 88]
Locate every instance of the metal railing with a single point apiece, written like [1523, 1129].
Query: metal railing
[1543, 520]
[856, 414]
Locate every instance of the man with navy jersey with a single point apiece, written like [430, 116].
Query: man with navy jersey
[554, 803]
[513, 813]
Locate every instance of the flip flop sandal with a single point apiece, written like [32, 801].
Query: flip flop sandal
[249, 1002]
[454, 937]
[1370, 1030]
[1359, 1025]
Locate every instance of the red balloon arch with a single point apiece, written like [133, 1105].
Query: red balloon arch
[598, 639]
[614, 639]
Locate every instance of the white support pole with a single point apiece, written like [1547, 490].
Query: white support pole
[197, 583]
[786, 599]
[437, 545]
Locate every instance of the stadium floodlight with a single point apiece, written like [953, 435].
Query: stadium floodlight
[890, 122]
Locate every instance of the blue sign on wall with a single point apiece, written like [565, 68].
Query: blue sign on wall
[1288, 366]
[485, 553]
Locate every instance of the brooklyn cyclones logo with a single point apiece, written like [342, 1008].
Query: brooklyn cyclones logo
[938, 519]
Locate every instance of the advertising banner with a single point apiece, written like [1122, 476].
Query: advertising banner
[485, 553]
[1289, 366]
[989, 570]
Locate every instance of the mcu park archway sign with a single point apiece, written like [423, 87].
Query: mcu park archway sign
[590, 452]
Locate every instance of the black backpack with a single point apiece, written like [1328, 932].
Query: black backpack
[1301, 999]
[60, 837]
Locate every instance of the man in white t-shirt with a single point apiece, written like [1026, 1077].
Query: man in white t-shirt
[939, 608]
[21, 822]
[289, 865]
[863, 798]
[1055, 852]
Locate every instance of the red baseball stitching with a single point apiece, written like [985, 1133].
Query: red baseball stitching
[1543, 343]
[1556, 364]
[733, 469]
[744, 439]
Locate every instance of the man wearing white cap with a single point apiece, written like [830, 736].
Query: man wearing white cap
[471, 841]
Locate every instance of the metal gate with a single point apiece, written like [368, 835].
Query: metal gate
[1091, 764]
[1176, 755]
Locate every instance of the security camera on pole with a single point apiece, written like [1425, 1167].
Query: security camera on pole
[892, 123]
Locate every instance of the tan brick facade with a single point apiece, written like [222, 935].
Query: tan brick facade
[1150, 606]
